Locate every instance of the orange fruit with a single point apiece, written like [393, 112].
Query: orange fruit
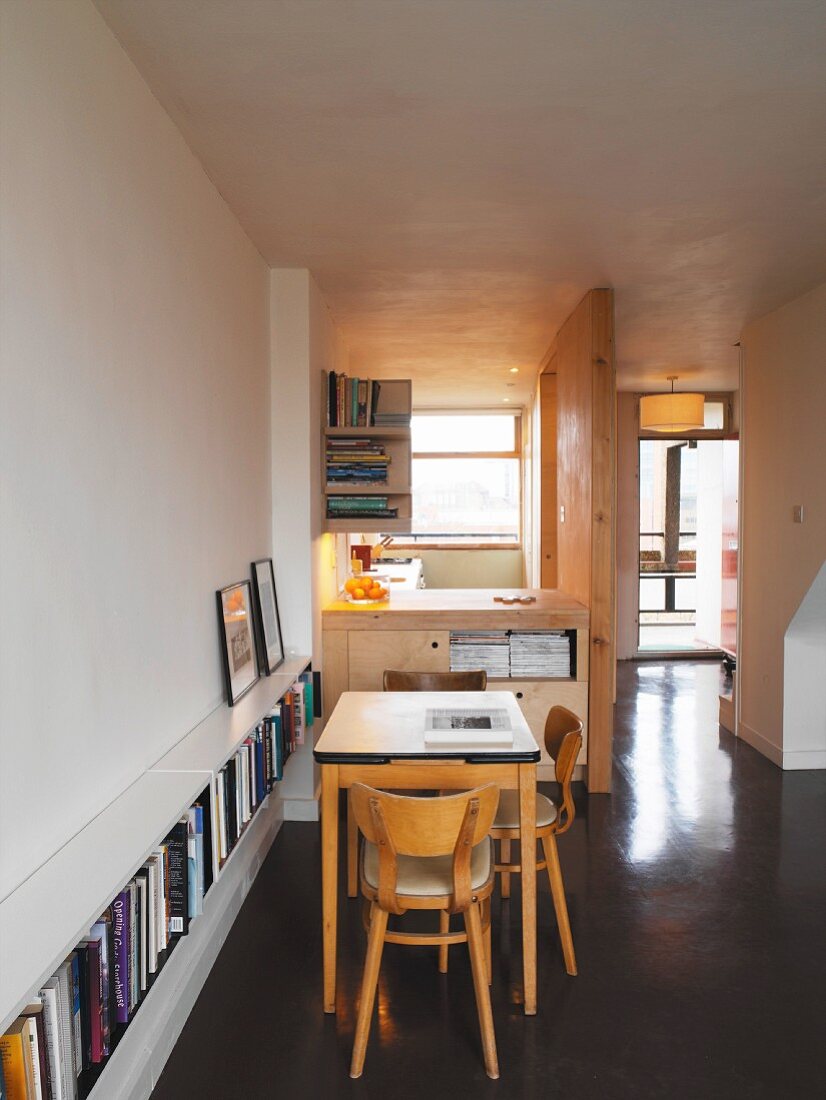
[358, 593]
[351, 585]
[375, 593]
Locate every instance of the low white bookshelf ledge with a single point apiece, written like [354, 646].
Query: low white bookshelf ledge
[48, 914]
[212, 742]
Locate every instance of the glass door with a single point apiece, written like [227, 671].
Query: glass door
[680, 545]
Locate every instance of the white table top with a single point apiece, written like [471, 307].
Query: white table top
[377, 726]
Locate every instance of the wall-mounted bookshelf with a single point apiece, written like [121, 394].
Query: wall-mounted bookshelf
[44, 919]
[384, 446]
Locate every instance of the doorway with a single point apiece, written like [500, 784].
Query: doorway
[681, 507]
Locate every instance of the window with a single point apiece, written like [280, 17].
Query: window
[466, 479]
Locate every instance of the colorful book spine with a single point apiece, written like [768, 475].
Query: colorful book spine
[178, 883]
[120, 911]
[16, 1059]
[76, 1015]
[100, 931]
[49, 995]
[13, 1057]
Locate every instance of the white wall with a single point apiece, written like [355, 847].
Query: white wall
[469, 568]
[305, 342]
[804, 681]
[134, 427]
[783, 453]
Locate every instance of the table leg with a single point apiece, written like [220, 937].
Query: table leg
[527, 836]
[329, 878]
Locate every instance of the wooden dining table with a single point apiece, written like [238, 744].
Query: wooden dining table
[379, 738]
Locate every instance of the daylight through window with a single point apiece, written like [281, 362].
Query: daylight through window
[466, 479]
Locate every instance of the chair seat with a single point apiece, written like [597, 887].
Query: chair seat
[428, 876]
[507, 816]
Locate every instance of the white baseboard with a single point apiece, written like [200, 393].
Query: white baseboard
[758, 741]
[136, 1064]
[301, 809]
[803, 760]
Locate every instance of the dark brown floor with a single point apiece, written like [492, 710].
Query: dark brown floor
[698, 904]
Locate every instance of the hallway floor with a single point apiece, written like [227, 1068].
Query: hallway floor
[697, 895]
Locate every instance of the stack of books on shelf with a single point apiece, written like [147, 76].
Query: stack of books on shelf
[357, 507]
[356, 462]
[540, 653]
[54, 1050]
[476, 649]
[250, 773]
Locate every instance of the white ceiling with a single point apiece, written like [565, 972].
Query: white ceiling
[457, 173]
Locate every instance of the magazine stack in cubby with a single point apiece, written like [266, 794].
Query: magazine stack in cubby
[538, 653]
[476, 649]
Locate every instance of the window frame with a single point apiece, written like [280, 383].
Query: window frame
[517, 413]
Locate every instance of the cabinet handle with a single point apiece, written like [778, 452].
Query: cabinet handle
[519, 695]
[435, 645]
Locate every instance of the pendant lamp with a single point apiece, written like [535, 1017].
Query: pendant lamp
[672, 412]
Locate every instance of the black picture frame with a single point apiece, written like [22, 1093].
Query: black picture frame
[239, 644]
[265, 601]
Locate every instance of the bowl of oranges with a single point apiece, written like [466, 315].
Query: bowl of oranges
[365, 589]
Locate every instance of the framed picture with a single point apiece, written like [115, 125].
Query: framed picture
[238, 647]
[266, 614]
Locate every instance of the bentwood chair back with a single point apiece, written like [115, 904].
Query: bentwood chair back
[426, 853]
[472, 680]
[563, 741]
[398, 680]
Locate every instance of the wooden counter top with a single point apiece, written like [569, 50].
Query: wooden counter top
[460, 609]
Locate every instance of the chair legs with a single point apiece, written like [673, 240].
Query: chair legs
[375, 943]
[352, 849]
[444, 926]
[473, 925]
[505, 857]
[486, 932]
[560, 905]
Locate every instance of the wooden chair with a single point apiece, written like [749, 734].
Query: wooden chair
[427, 853]
[563, 740]
[473, 680]
[396, 680]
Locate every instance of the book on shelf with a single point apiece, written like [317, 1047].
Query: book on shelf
[354, 507]
[356, 403]
[41, 1069]
[178, 873]
[120, 908]
[53, 1036]
[68, 1069]
[15, 1051]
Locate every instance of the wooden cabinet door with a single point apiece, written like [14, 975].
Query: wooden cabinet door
[372, 651]
[536, 697]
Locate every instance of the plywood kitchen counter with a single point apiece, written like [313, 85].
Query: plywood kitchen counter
[412, 631]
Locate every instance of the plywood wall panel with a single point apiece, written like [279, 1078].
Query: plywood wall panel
[574, 453]
[586, 488]
[548, 497]
[603, 544]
